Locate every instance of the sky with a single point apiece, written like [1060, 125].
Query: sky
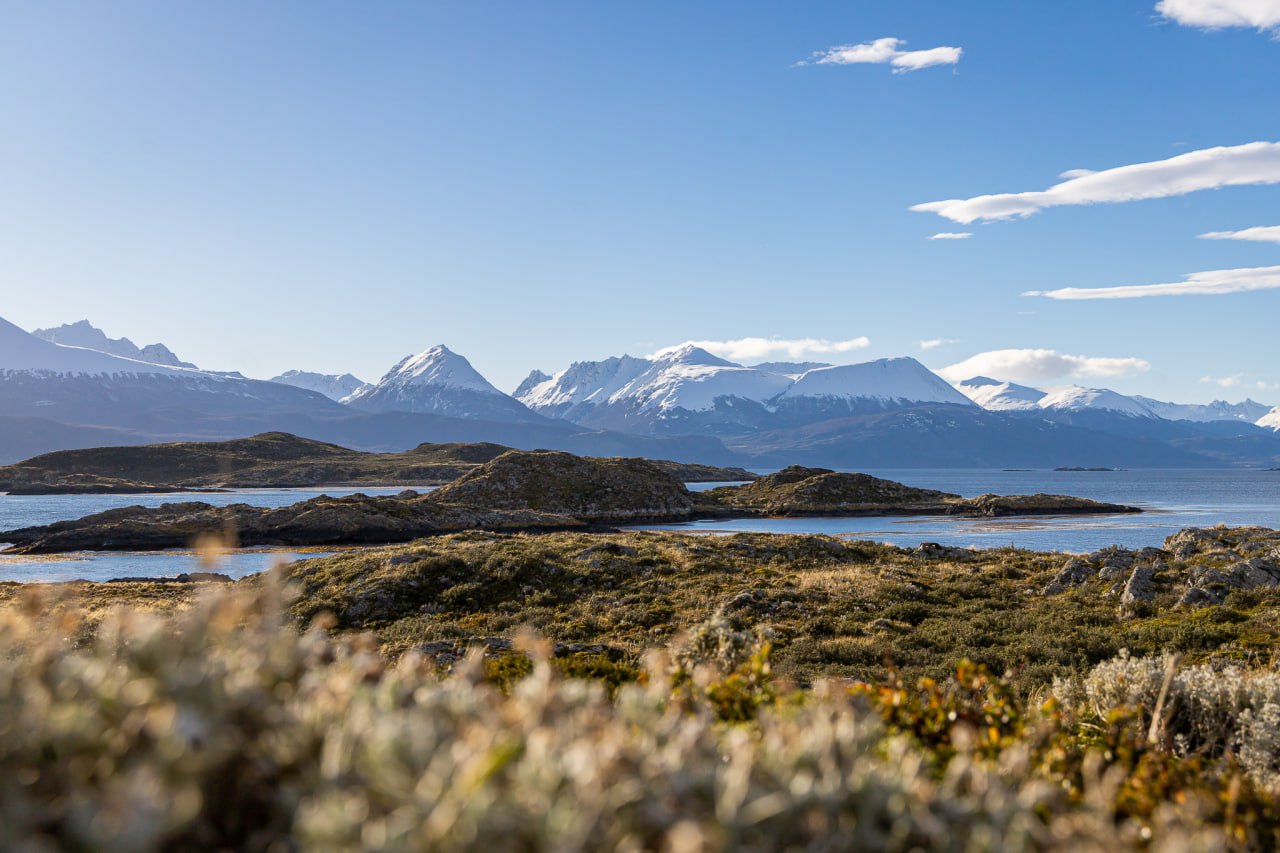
[332, 186]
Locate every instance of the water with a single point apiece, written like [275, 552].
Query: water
[29, 510]
[141, 564]
[1173, 500]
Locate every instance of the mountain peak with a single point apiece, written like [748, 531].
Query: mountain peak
[22, 351]
[334, 386]
[85, 335]
[438, 381]
[885, 379]
[691, 354]
[442, 367]
[533, 380]
[1076, 398]
[996, 396]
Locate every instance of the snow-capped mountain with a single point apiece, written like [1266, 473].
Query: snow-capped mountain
[689, 389]
[438, 381]
[892, 381]
[21, 351]
[1074, 398]
[334, 386]
[1248, 411]
[83, 387]
[996, 396]
[535, 377]
[87, 336]
[1271, 420]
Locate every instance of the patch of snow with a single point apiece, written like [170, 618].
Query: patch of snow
[1271, 420]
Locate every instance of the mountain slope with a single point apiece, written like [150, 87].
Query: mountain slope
[947, 436]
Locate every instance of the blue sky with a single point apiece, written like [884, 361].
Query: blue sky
[331, 186]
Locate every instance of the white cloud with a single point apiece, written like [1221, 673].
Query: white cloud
[1036, 365]
[1210, 283]
[747, 349]
[951, 235]
[1222, 381]
[1240, 165]
[1217, 14]
[934, 343]
[1261, 234]
[886, 51]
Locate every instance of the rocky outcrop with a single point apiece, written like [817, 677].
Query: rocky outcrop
[820, 491]
[592, 490]
[1197, 567]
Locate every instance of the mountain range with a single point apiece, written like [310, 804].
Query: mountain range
[683, 403]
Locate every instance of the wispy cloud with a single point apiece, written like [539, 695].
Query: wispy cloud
[1261, 234]
[1038, 365]
[1210, 283]
[1223, 381]
[1240, 165]
[745, 349]
[886, 51]
[1219, 14]
[952, 235]
[1238, 380]
[934, 343]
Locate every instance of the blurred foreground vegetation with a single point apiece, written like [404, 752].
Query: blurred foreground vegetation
[220, 720]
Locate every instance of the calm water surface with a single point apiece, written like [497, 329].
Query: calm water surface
[1174, 500]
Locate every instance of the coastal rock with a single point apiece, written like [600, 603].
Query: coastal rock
[996, 506]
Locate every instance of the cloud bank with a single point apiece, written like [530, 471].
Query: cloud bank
[1210, 283]
[1038, 365]
[747, 349]
[886, 51]
[1219, 14]
[1261, 234]
[1255, 163]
